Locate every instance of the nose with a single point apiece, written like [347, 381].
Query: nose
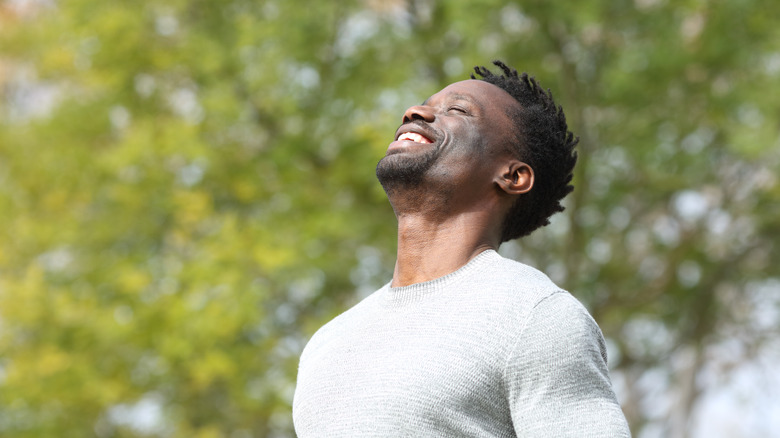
[418, 112]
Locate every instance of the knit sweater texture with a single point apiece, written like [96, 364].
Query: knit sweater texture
[494, 349]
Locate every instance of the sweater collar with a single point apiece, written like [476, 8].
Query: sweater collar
[399, 296]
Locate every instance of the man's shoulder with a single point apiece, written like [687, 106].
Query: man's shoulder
[518, 280]
[345, 321]
[521, 270]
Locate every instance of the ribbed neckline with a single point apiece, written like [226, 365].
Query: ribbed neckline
[401, 296]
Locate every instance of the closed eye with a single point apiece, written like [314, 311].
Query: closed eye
[458, 109]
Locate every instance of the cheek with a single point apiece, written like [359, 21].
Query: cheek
[471, 139]
[497, 139]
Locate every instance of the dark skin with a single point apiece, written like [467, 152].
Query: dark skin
[457, 209]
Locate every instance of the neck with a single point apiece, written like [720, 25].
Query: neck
[430, 248]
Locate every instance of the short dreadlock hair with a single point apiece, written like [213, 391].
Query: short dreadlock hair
[543, 142]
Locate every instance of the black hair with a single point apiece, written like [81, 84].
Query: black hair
[543, 142]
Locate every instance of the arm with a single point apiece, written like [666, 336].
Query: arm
[557, 378]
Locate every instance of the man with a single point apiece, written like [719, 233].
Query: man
[462, 342]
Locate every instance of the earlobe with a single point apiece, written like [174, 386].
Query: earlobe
[517, 178]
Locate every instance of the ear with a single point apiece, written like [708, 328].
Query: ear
[515, 178]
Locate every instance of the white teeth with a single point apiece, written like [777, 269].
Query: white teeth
[413, 136]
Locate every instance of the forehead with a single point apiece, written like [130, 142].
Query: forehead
[484, 94]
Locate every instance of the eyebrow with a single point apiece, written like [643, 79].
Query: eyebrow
[458, 96]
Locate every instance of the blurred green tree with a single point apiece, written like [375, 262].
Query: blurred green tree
[187, 192]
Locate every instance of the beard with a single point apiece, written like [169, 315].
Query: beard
[401, 171]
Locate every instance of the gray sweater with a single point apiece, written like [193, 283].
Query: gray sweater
[494, 349]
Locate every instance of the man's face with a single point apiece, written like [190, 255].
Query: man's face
[454, 138]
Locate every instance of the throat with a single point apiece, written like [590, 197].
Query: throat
[428, 250]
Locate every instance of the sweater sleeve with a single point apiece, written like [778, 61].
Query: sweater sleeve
[557, 379]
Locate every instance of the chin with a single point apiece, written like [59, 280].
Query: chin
[399, 171]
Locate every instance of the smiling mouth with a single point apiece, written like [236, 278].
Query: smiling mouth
[414, 137]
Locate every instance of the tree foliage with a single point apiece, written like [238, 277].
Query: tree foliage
[187, 192]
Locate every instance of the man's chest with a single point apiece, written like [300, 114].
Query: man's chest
[396, 378]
